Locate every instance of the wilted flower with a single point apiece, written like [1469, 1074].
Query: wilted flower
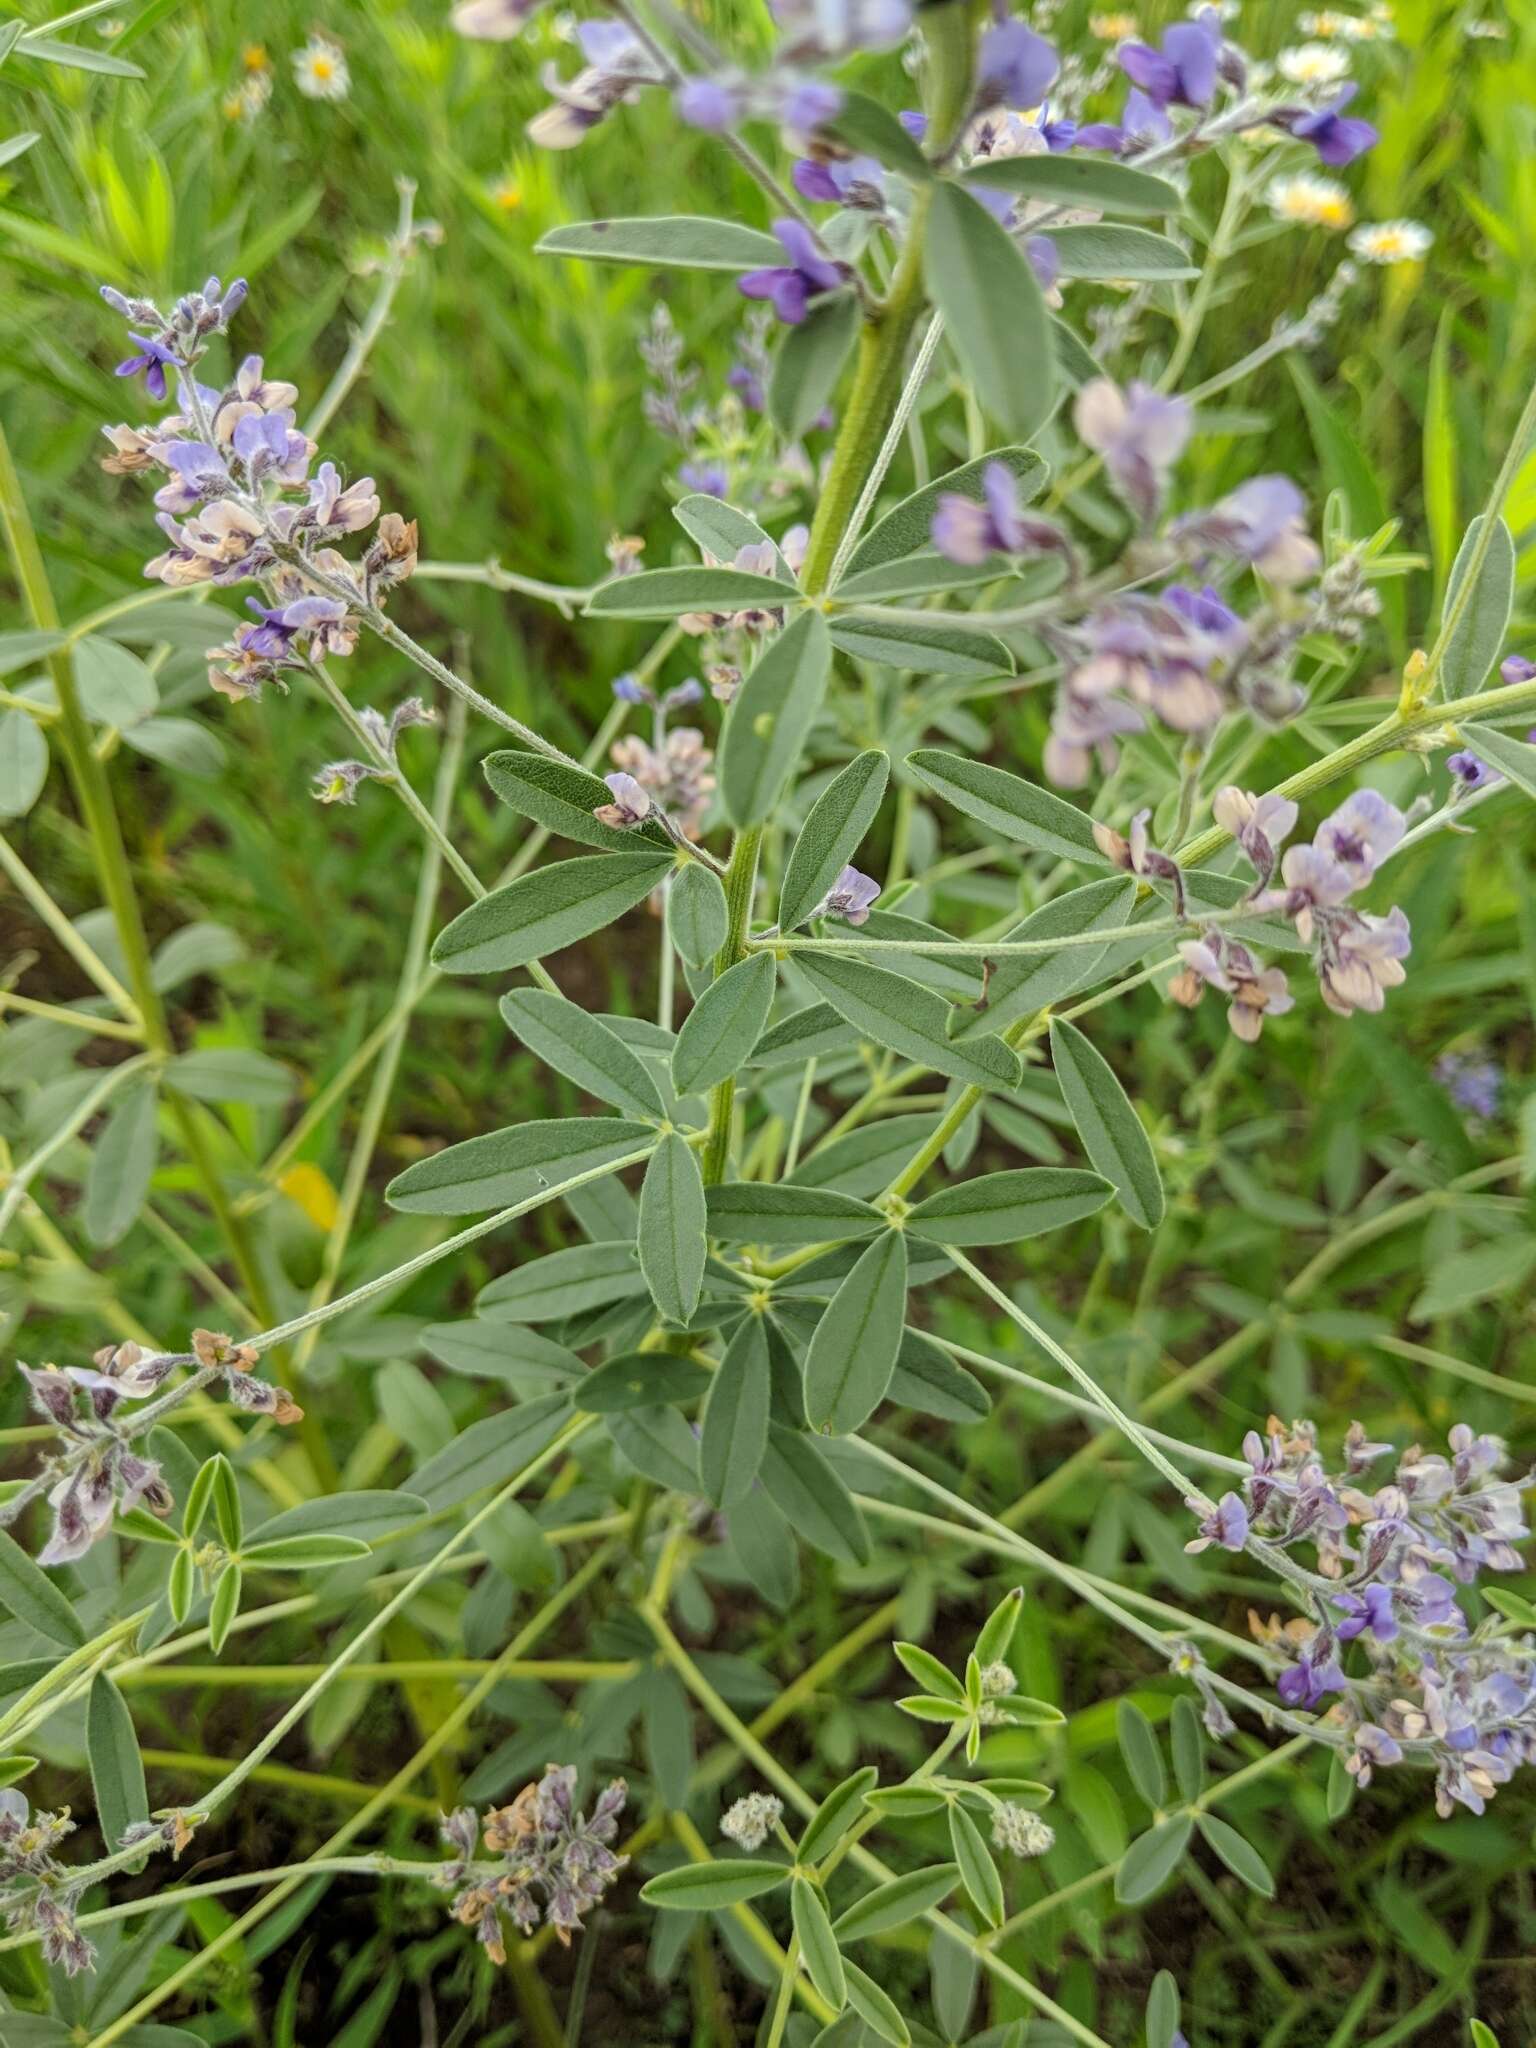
[1218, 961]
[554, 1863]
[1139, 433]
[790, 287]
[752, 1820]
[1138, 856]
[1260, 824]
[1020, 1831]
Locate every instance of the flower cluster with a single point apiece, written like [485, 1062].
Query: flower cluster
[96, 1473]
[337, 781]
[552, 1862]
[751, 1820]
[42, 1903]
[1461, 1697]
[240, 504]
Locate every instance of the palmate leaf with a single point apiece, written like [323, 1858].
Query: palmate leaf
[582, 1048]
[490, 1453]
[641, 1379]
[759, 1212]
[983, 284]
[705, 1887]
[835, 824]
[818, 1944]
[896, 1903]
[669, 241]
[564, 1283]
[937, 650]
[1022, 983]
[1119, 252]
[814, 1501]
[1006, 804]
[909, 525]
[500, 1168]
[1152, 1859]
[1111, 1131]
[545, 910]
[907, 1018]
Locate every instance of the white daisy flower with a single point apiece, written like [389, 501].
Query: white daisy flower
[1313, 64]
[1311, 201]
[1391, 241]
[320, 69]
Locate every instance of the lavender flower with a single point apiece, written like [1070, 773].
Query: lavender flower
[817, 29]
[1337, 137]
[1261, 523]
[631, 805]
[493, 21]
[1137, 855]
[1182, 70]
[854, 181]
[851, 897]
[1228, 1526]
[1469, 773]
[1260, 825]
[1139, 433]
[552, 1862]
[1219, 961]
[1015, 67]
[617, 67]
[1475, 1086]
[709, 104]
[969, 532]
[1514, 668]
[790, 287]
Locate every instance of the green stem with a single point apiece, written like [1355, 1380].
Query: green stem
[740, 880]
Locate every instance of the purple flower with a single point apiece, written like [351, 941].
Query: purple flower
[857, 181]
[1142, 126]
[1261, 523]
[1228, 1526]
[967, 532]
[1181, 72]
[281, 625]
[1473, 1085]
[1260, 824]
[1367, 1612]
[154, 359]
[851, 896]
[792, 286]
[710, 104]
[806, 104]
[630, 690]
[1470, 773]
[711, 478]
[1514, 668]
[631, 803]
[1044, 261]
[1361, 833]
[1363, 959]
[1221, 962]
[1139, 433]
[1016, 67]
[835, 28]
[1315, 1673]
[1338, 138]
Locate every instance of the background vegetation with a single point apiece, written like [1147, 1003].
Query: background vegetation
[1313, 1262]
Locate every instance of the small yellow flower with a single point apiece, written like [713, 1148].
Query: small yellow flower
[506, 194]
[254, 57]
[1112, 28]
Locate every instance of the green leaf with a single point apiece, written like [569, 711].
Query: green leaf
[997, 1631]
[24, 650]
[76, 57]
[771, 716]
[815, 1032]
[679, 241]
[818, 1944]
[1440, 451]
[117, 1769]
[909, 526]
[723, 1026]
[1493, 1271]
[814, 1501]
[660, 1446]
[565, 1283]
[1001, 1208]
[1188, 1743]
[672, 1229]
[1120, 253]
[502, 1168]
[929, 1380]
[231, 1073]
[1482, 2036]
[1109, 1127]
[316, 1553]
[366, 1515]
[17, 145]
[670, 593]
[917, 575]
[983, 284]
[734, 1435]
[835, 1816]
[562, 798]
[1073, 359]
[122, 1165]
[758, 1212]
[490, 1347]
[978, 1872]
[894, 1904]
[837, 821]
[908, 1019]
[868, 128]
[874, 2007]
[706, 1887]
[1151, 1860]
[906, 1801]
[1240, 1856]
[23, 764]
[1009, 806]
[16, 1766]
[34, 1599]
[1078, 181]
[225, 1604]
[1501, 750]
[937, 650]
[1143, 1758]
[490, 1453]
[720, 530]
[116, 688]
[808, 362]
[1023, 983]
[640, 1379]
[1475, 643]
[228, 1515]
[180, 743]
[545, 910]
[697, 915]
[853, 1352]
[1162, 2010]
[582, 1048]
[180, 1586]
[925, 1668]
